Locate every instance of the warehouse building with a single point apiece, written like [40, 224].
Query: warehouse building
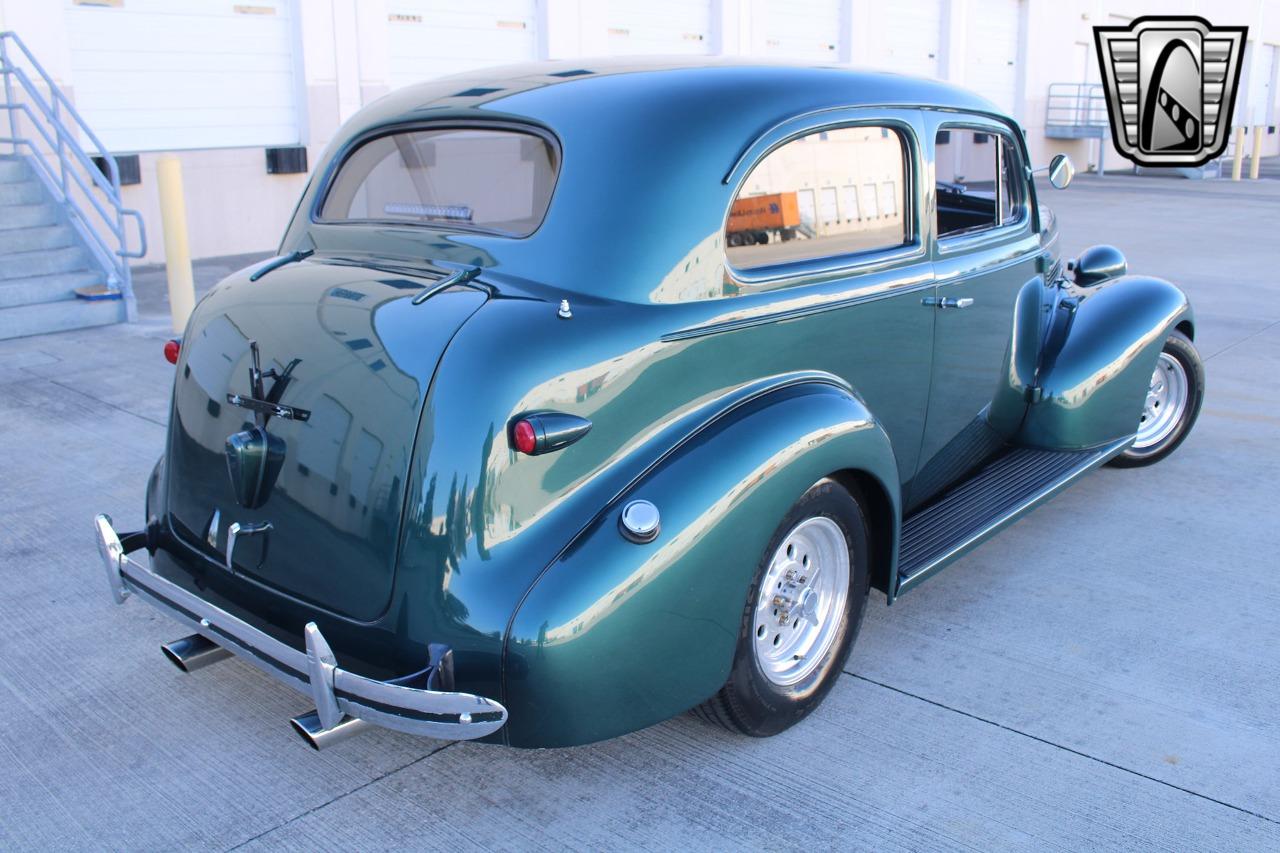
[249, 92]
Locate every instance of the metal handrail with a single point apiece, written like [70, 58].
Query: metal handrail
[1076, 105]
[58, 124]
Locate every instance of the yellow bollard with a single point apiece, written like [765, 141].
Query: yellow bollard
[1255, 161]
[177, 252]
[1238, 162]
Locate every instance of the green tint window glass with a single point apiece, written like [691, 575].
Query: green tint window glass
[833, 193]
[472, 178]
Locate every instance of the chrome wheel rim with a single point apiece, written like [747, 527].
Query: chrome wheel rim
[802, 601]
[1165, 405]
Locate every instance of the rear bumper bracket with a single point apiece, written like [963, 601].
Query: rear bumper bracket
[338, 693]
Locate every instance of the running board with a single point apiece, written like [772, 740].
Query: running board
[993, 498]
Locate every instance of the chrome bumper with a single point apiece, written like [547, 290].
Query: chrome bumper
[343, 699]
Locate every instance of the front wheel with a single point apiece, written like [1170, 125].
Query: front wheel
[801, 616]
[1172, 405]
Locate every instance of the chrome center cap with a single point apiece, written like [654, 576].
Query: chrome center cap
[809, 605]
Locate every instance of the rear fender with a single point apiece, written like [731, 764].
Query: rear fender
[1102, 347]
[615, 636]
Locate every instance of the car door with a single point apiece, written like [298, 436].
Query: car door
[844, 297]
[984, 252]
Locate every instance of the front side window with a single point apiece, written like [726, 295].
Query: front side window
[977, 181]
[828, 194]
[475, 178]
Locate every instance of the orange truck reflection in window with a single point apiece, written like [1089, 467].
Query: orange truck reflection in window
[758, 218]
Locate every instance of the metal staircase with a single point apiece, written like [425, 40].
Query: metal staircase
[1078, 111]
[64, 245]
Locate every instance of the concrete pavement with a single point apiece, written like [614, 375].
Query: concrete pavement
[1103, 675]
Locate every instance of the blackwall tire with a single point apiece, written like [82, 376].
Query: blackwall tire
[1174, 398]
[815, 621]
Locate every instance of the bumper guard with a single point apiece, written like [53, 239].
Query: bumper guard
[343, 699]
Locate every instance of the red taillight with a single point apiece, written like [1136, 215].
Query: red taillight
[171, 350]
[523, 436]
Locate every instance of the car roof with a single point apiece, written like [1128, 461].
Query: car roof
[647, 147]
[532, 89]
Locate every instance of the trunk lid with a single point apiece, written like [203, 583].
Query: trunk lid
[346, 350]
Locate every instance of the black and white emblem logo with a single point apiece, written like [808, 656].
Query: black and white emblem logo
[1171, 87]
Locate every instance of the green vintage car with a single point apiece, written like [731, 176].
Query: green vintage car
[513, 442]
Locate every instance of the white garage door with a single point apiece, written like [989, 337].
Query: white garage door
[801, 29]
[830, 211]
[907, 36]
[658, 26]
[807, 206]
[432, 38]
[155, 75]
[991, 61]
[1260, 79]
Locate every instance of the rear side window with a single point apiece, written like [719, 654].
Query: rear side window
[494, 180]
[978, 183]
[837, 192]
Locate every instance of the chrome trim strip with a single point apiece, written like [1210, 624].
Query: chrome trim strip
[943, 279]
[833, 304]
[432, 713]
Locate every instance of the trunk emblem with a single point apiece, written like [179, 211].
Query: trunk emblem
[265, 404]
[255, 456]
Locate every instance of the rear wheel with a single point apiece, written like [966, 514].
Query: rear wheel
[801, 616]
[1173, 401]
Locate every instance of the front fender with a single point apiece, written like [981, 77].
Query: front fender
[1103, 346]
[615, 636]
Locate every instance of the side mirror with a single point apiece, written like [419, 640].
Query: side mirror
[1061, 171]
[1098, 264]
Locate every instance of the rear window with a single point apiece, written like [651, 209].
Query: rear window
[493, 180]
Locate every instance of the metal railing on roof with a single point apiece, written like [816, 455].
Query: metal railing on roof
[89, 193]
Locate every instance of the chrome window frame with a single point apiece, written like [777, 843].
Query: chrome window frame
[336, 163]
[798, 273]
[963, 241]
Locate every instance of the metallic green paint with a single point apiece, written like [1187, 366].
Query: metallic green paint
[1097, 264]
[720, 396]
[1022, 356]
[365, 356]
[1103, 345]
[656, 625]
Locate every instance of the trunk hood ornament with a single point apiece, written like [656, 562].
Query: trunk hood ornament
[255, 456]
[265, 405]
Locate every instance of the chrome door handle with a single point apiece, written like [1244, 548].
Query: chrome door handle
[947, 301]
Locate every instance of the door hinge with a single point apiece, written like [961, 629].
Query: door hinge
[1034, 393]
